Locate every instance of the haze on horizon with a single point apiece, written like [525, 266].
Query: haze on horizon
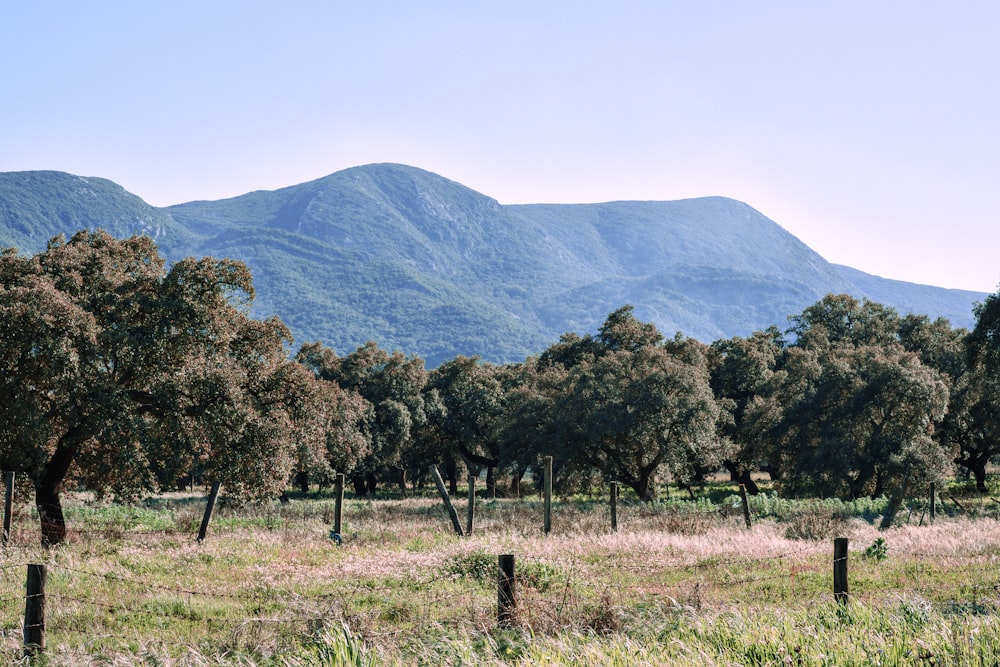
[867, 130]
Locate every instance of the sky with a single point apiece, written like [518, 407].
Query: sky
[869, 130]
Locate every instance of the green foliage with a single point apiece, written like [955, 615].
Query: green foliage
[479, 566]
[770, 505]
[483, 568]
[861, 402]
[128, 376]
[334, 647]
[877, 551]
[119, 516]
[850, 411]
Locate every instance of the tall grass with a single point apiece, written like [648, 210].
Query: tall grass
[681, 582]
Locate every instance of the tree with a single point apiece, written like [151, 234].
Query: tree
[631, 405]
[120, 374]
[642, 412]
[849, 411]
[973, 421]
[393, 386]
[972, 424]
[529, 426]
[472, 401]
[740, 370]
[343, 417]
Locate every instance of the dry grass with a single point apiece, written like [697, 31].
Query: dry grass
[270, 587]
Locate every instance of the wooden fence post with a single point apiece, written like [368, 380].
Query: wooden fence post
[470, 510]
[840, 570]
[338, 506]
[506, 603]
[34, 610]
[447, 500]
[547, 522]
[8, 504]
[746, 505]
[614, 507]
[209, 508]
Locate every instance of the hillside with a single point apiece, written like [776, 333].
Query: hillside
[425, 265]
[38, 205]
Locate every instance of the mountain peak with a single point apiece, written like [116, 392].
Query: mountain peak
[420, 263]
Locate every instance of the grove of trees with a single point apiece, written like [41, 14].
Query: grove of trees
[123, 376]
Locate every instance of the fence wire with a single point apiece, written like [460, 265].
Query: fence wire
[88, 602]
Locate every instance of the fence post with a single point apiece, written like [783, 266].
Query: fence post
[34, 610]
[547, 522]
[614, 507]
[746, 505]
[840, 570]
[470, 510]
[506, 604]
[209, 508]
[338, 505]
[447, 500]
[8, 504]
[933, 502]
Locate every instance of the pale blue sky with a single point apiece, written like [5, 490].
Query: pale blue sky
[867, 129]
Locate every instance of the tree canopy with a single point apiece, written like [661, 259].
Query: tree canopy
[849, 411]
[122, 374]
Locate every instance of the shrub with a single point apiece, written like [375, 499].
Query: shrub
[815, 523]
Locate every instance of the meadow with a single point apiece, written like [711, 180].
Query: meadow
[682, 582]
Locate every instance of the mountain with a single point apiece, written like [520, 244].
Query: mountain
[38, 205]
[425, 265]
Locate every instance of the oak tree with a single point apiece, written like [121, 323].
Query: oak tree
[635, 407]
[849, 410]
[392, 384]
[121, 374]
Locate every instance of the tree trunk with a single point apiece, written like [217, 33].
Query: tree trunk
[747, 481]
[977, 466]
[894, 503]
[303, 479]
[879, 488]
[979, 472]
[53, 523]
[741, 475]
[51, 518]
[491, 482]
[645, 488]
[451, 470]
[371, 484]
[359, 486]
[402, 481]
[515, 481]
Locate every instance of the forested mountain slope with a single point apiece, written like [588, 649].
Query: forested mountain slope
[425, 265]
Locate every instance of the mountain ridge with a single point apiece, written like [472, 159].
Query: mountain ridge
[423, 264]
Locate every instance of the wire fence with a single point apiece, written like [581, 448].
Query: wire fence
[170, 601]
[107, 606]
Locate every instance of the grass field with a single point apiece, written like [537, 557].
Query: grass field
[681, 583]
